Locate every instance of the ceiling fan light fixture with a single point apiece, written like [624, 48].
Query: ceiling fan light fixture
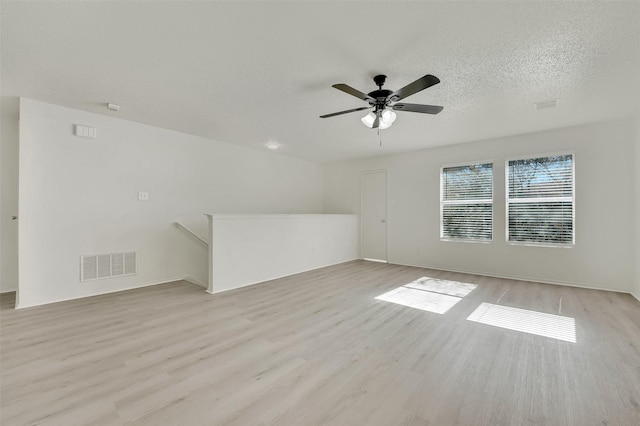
[368, 119]
[384, 125]
[386, 119]
[388, 116]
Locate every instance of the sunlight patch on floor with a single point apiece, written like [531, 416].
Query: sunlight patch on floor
[452, 288]
[428, 294]
[526, 321]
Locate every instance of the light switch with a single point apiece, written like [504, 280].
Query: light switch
[85, 131]
[143, 196]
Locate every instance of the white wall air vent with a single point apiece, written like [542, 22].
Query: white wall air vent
[104, 266]
[89, 268]
[130, 265]
[117, 264]
[100, 266]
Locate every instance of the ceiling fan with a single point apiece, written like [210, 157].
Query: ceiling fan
[384, 102]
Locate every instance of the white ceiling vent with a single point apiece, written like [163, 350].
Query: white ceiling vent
[107, 265]
[551, 103]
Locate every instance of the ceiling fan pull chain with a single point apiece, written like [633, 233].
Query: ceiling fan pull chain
[380, 136]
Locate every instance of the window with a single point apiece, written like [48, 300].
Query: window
[540, 200]
[466, 202]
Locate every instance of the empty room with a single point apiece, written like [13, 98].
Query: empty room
[300, 213]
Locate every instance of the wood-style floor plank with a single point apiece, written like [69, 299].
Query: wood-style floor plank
[318, 348]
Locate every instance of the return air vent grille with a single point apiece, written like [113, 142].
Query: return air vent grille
[107, 265]
[130, 263]
[104, 266]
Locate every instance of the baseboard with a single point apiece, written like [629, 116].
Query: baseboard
[65, 299]
[519, 278]
[281, 276]
[194, 281]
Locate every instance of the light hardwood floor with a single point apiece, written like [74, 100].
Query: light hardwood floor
[319, 348]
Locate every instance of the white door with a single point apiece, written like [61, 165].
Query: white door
[374, 215]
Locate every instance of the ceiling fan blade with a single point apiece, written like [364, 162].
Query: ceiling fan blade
[376, 122]
[344, 112]
[411, 88]
[353, 92]
[425, 109]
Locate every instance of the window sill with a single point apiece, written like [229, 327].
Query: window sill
[548, 245]
[455, 240]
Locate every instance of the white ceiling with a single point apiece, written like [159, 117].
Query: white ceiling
[249, 72]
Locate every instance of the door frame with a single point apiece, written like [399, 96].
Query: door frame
[386, 227]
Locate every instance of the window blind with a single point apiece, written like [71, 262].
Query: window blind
[466, 202]
[540, 200]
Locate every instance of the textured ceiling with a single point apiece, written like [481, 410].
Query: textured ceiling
[249, 72]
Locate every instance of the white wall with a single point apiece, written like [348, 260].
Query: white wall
[636, 216]
[79, 196]
[8, 194]
[248, 249]
[603, 254]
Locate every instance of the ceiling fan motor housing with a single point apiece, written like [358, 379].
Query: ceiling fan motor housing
[381, 94]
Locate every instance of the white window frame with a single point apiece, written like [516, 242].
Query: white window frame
[549, 199]
[476, 201]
